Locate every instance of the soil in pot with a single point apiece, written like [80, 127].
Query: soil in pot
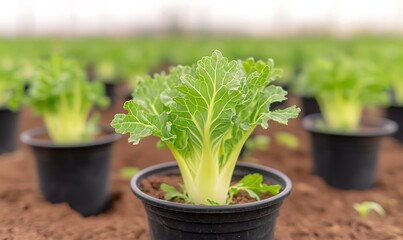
[347, 160]
[77, 174]
[8, 130]
[251, 220]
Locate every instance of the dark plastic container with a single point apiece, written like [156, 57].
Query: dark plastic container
[110, 91]
[309, 106]
[168, 220]
[128, 97]
[347, 160]
[76, 174]
[8, 130]
[395, 113]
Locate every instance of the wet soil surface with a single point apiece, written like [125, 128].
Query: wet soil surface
[313, 211]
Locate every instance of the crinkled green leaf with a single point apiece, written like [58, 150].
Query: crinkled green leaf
[204, 113]
[62, 94]
[254, 186]
[12, 94]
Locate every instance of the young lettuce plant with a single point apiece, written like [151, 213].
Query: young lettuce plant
[11, 85]
[204, 114]
[65, 98]
[343, 87]
[393, 73]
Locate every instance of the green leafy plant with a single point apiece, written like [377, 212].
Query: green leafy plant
[364, 208]
[254, 186]
[105, 70]
[288, 140]
[204, 114]
[65, 98]
[343, 86]
[128, 172]
[392, 60]
[11, 85]
[258, 142]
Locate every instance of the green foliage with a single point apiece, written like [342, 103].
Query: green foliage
[204, 114]
[391, 60]
[65, 98]
[254, 186]
[12, 93]
[364, 208]
[258, 142]
[343, 86]
[172, 194]
[288, 140]
[128, 172]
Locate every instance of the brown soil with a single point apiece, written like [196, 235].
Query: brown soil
[313, 211]
[152, 187]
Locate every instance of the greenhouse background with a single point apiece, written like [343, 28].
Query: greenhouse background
[213, 120]
[256, 17]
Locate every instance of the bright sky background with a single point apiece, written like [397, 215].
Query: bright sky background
[255, 17]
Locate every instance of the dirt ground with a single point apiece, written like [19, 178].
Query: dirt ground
[313, 211]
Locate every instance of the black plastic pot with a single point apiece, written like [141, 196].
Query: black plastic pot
[309, 106]
[8, 130]
[395, 113]
[76, 174]
[128, 97]
[347, 160]
[168, 220]
[110, 91]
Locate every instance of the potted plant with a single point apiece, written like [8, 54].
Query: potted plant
[394, 73]
[204, 114]
[106, 72]
[301, 86]
[11, 98]
[345, 146]
[72, 153]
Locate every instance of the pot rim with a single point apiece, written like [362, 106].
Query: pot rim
[209, 209]
[383, 127]
[6, 109]
[28, 137]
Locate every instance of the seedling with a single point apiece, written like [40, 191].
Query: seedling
[258, 142]
[105, 70]
[364, 208]
[204, 114]
[11, 85]
[288, 140]
[65, 98]
[128, 172]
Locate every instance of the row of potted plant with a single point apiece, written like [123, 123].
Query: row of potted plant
[204, 113]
